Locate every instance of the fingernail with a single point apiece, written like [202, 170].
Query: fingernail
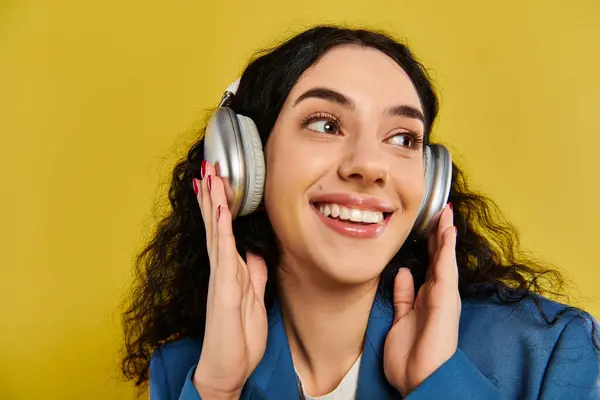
[455, 230]
[218, 213]
[195, 186]
[450, 206]
[203, 169]
[209, 182]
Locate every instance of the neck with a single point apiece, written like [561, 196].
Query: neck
[325, 324]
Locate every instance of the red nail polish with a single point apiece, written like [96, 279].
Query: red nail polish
[218, 213]
[195, 186]
[450, 206]
[209, 182]
[203, 169]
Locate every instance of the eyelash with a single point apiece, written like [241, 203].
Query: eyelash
[417, 140]
[320, 117]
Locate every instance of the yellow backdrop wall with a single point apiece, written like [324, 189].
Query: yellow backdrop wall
[98, 98]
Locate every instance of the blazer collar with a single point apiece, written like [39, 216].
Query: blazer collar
[372, 383]
[274, 377]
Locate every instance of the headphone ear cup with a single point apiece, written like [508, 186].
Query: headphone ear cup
[437, 163]
[254, 160]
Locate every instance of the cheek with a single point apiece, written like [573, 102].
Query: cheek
[410, 184]
[286, 180]
[289, 177]
[293, 166]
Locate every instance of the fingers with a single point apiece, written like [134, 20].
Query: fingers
[257, 268]
[404, 293]
[444, 268]
[210, 196]
[446, 221]
[206, 206]
[432, 240]
[436, 239]
[225, 244]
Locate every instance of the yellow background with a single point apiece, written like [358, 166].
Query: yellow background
[98, 98]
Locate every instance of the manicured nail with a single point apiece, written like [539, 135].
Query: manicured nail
[218, 213]
[209, 182]
[203, 169]
[450, 206]
[455, 230]
[195, 186]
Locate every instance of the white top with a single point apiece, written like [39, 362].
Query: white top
[346, 390]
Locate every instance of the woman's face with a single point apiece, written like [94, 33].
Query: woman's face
[345, 166]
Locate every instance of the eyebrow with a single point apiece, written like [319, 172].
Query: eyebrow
[406, 111]
[326, 94]
[337, 97]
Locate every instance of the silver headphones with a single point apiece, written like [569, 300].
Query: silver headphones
[232, 144]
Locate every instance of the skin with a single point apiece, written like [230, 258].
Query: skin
[354, 145]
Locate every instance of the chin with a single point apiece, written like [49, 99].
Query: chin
[351, 268]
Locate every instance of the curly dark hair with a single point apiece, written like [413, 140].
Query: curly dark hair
[169, 297]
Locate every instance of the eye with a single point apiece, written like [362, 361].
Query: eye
[323, 126]
[409, 140]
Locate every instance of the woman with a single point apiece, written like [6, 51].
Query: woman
[292, 302]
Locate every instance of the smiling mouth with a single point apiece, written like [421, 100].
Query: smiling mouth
[351, 215]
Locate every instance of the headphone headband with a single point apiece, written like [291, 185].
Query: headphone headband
[233, 88]
[229, 93]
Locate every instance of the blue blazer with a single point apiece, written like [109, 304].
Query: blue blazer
[505, 351]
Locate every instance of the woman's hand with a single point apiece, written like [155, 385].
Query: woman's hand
[236, 321]
[425, 330]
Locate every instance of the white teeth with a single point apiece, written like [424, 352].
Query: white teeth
[371, 216]
[352, 214]
[335, 211]
[344, 213]
[357, 216]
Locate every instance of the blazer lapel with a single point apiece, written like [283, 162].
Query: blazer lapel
[372, 383]
[274, 377]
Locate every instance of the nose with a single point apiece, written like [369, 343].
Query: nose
[364, 163]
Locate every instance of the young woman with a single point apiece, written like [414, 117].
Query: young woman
[324, 291]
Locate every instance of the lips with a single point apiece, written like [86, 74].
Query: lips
[352, 215]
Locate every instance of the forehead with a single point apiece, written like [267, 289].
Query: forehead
[361, 73]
